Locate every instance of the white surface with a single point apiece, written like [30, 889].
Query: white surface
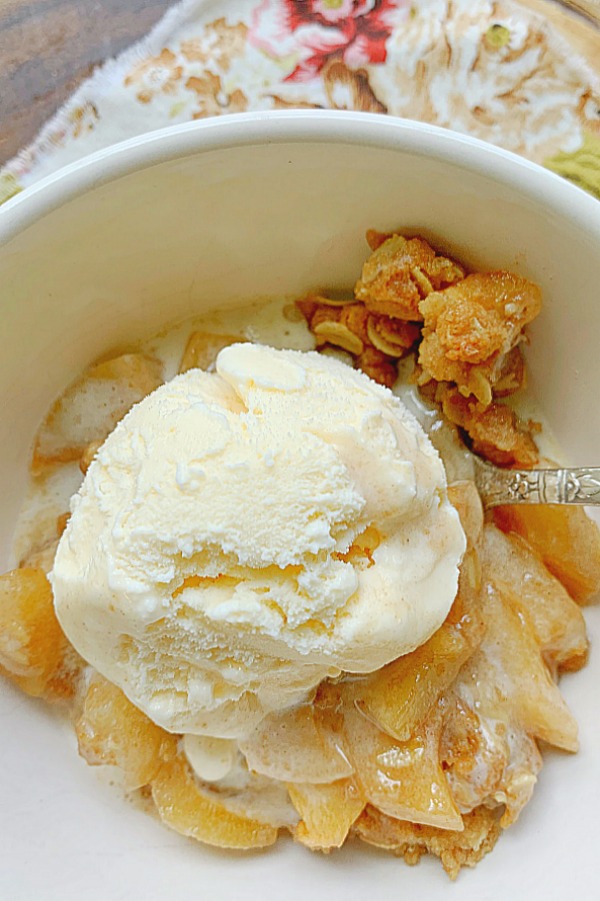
[252, 206]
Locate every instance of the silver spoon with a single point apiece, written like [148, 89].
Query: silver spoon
[537, 486]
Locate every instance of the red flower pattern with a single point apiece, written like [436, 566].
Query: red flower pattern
[316, 31]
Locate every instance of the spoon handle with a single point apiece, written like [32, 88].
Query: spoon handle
[537, 486]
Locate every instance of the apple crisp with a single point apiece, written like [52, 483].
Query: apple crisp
[438, 751]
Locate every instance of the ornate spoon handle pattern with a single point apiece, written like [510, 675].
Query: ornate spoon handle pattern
[537, 486]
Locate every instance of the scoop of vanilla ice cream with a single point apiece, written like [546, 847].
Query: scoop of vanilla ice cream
[244, 534]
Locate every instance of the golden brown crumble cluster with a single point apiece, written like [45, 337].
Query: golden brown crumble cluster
[464, 329]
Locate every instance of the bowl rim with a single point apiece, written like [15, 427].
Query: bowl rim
[533, 181]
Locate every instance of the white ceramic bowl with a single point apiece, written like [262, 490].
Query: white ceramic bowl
[156, 230]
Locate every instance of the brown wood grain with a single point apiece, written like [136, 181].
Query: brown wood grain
[48, 47]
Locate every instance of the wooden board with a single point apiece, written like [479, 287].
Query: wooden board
[47, 47]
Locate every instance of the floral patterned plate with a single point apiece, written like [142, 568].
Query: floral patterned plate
[497, 70]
